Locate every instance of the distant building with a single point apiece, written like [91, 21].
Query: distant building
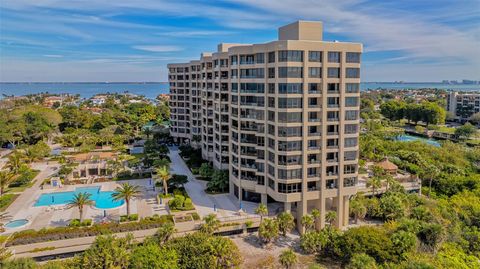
[463, 105]
[99, 99]
[51, 100]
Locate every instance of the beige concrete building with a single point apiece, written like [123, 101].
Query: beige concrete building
[282, 116]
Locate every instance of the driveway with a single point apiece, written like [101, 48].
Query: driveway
[226, 205]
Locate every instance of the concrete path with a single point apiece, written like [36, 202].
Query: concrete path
[226, 204]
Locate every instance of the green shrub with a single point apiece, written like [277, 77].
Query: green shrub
[195, 216]
[6, 200]
[132, 217]
[59, 233]
[77, 223]
[248, 223]
[188, 203]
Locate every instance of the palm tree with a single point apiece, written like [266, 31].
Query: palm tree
[6, 178]
[430, 172]
[285, 222]
[126, 192]
[288, 258]
[375, 182]
[330, 217]
[307, 222]
[164, 174]
[261, 210]
[211, 224]
[80, 200]
[165, 232]
[358, 208]
[15, 161]
[268, 230]
[316, 216]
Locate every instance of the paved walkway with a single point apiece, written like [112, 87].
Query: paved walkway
[226, 204]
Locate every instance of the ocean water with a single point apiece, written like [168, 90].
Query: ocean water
[152, 89]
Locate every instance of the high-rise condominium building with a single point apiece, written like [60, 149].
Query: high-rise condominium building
[282, 117]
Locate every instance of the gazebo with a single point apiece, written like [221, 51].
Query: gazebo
[388, 166]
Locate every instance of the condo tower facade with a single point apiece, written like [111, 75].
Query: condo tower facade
[282, 117]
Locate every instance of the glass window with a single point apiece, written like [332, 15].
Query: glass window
[271, 72]
[289, 174]
[289, 131]
[252, 87]
[353, 57]
[351, 142]
[289, 116]
[234, 59]
[260, 58]
[271, 88]
[333, 72]
[290, 56]
[315, 56]
[351, 115]
[351, 128]
[333, 57]
[314, 87]
[290, 72]
[352, 87]
[289, 188]
[314, 72]
[271, 57]
[350, 155]
[234, 87]
[351, 101]
[252, 73]
[352, 72]
[289, 145]
[284, 88]
[289, 102]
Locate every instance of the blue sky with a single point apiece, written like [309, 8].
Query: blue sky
[133, 40]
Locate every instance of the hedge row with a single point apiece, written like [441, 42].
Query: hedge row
[60, 233]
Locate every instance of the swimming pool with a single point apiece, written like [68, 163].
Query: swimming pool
[410, 138]
[102, 199]
[16, 223]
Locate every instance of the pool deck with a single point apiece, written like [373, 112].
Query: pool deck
[60, 215]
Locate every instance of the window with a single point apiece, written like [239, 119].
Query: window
[333, 72]
[289, 102]
[351, 115]
[289, 116]
[350, 156]
[333, 57]
[289, 160]
[289, 131]
[271, 57]
[314, 87]
[315, 56]
[234, 59]
[252, 87]
[260, 58]
[289, 188]
[314, 72]
[351, 142]
[352, 72]
[351, 128]
[247, 59]
[284, 88]
[349, 168]
[352, 87]
[289, 145]
[271, 72]
[351, 101]
[271, 102]
[252, 73]
[271, 88]
[353, 57]
[234, 87]
[290, 72]
[290, 56]
[289, 174]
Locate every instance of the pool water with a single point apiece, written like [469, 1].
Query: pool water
[411, 138]
[102, 199]
[16, 223]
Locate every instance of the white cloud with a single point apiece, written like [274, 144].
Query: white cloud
[157, 48]
[53, 56]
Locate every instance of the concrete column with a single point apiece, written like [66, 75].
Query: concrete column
[339, 204]
[346, 210]
[287, 207]
[301, 211]
[264, 198]
[320, 205]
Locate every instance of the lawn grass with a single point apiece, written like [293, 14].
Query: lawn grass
[20, 188]
[6, 200]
